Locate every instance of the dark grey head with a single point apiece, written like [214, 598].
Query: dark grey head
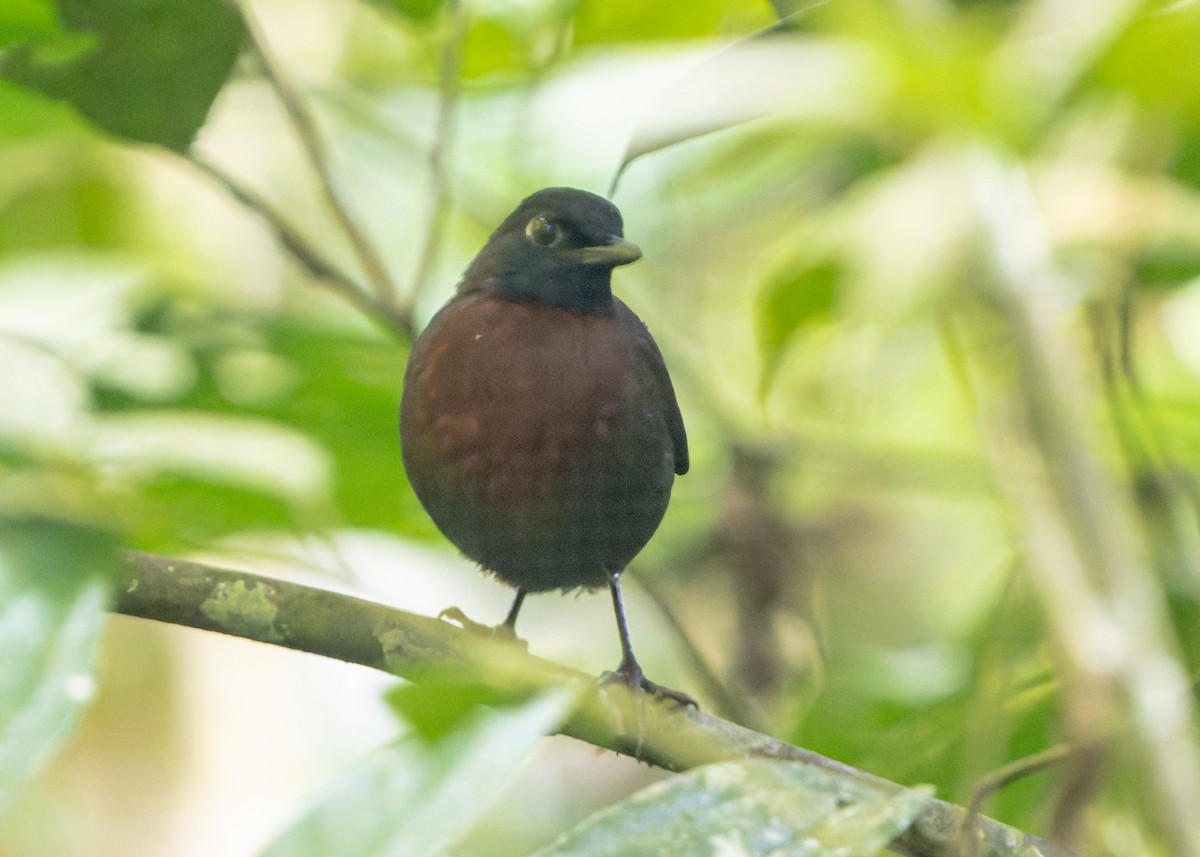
[559, 248]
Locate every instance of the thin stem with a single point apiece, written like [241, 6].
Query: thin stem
[314, 146]
[321, 269]
[449, 79]
[992, 782]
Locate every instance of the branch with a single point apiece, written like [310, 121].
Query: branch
[449, 79]
[416, 647]
[321, 269]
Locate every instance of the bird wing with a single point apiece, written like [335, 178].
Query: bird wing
[653, 361]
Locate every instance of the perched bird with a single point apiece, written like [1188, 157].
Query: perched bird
[538, 424]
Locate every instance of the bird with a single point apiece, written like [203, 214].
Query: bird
[539, 427]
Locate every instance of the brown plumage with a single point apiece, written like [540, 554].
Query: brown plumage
[538, 424]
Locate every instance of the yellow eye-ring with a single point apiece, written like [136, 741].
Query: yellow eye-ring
[542, 231]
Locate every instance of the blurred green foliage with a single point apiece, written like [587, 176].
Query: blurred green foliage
[54, 583]
[825, 269]
[28, 19]
[441, 786]
[146, 71]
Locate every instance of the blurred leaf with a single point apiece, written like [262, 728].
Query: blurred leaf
[226, 449]
[755, 808]
[794, 13]
[348, 397]
[600, 21]
[492, 45]
[211, 421]
[794, 299]
[22, 20]
[53, 593]
[1185, 613]
[24, 112]
[415, 799]
[171, 510]
[1005, 708]
[936, 71]
[1149, 61]
[154, 69]
[822, 82]
[73, 205]
[1167, 265]
[417, 10]
[436, 710]
[1186, 165]
[333, 395]
[197, 476]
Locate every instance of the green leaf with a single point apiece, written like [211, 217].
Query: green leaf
[248, 473]
[151, 69]
[1151, 56]
[53, 593]
[599, 22]
[416, 10]
[796, 297]
[337, 389]
[493, 45]
[23, 113]
[21, 20]
[757, 807]
[416, 799]
[1166, 265]
[436, 710]
[811, 82]
[270, 423]
[177, 509]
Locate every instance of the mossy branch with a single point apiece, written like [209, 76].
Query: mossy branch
[414, 647]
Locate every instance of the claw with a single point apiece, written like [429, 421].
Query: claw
[635, 678]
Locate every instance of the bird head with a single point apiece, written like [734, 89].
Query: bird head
[558, 248]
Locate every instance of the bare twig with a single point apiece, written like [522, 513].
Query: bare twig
[314, 146]
[1077, 791]
[449, 78]
[321, 269]
[340, 626]
[991, 783]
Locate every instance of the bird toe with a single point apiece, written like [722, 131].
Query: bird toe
[503, 631]
[635, 678]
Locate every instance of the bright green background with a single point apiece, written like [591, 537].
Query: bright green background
[835, 218]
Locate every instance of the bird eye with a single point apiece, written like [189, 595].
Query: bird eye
[543, 232]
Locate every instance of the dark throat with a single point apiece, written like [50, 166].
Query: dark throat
[584, 290]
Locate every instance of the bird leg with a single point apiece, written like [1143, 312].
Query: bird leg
[630, 671]
[509, 627]
[505, 630]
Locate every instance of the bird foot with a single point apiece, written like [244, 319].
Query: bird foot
[635, 678]
[459, 618]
